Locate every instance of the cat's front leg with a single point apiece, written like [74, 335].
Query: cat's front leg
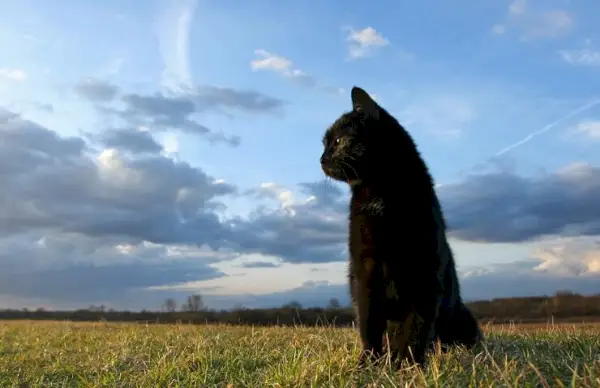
[371, 315]
[426, 311]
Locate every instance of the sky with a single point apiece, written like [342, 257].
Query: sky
[154, 149]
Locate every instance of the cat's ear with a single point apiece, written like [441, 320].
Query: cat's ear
[362, 102]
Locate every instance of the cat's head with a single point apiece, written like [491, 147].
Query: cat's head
[358, 142]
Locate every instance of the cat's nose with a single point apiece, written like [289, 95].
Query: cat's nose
[324, 160]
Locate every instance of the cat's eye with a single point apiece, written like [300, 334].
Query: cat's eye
[338, 140]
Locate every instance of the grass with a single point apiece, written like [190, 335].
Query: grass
[61, 354]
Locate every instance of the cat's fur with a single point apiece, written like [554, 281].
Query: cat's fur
[402, 274]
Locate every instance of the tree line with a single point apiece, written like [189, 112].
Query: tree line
[564, 306]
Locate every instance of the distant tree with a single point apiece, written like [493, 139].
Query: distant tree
[294, 304]
[194, 303]
[565, 293]
[100, 308]
[170, 305]
[334, 304]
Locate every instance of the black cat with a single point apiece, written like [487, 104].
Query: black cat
[402, 273]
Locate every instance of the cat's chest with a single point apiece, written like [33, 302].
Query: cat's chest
[367, 223]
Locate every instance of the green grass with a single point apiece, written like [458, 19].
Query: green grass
[57, 354]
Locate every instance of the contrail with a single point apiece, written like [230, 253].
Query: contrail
[530, 136]
[546, 128]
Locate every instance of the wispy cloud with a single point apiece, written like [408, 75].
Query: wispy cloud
[173, 32]
[364, 42]
[590, 128]
[581, 57]
[534, 23]
[112, 67]
[13, 74]
[269, 61]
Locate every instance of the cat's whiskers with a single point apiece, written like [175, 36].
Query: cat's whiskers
[343, 161]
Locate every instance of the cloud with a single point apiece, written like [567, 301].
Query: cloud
[311, 229]
[117, 223]
[591, 128]
[505, 207]
[569, 257]
[535, 23]
[84, 272]
[213, 97]
[76, 225]
[561, 264]
[95, 90]
[160, 112]
[267, 61]
[113, 67]
[364, 42]
[131, 140]
[173, 32]
[581, 57]
[43, 107]
[259, 264]
[273, 62]
[13, 74]
[499, 29]
[50, 182]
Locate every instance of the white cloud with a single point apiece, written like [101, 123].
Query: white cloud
[581, 57]
[170, 143]
[535, 23]
[268, 61]
[362, 42]
[569, 257]
[589, 127]
[273, 62]
[517, 7]
[499, 29]
[13, 74]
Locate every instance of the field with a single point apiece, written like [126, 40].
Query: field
[57, 354]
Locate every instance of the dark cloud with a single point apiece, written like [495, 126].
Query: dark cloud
[76, 268]
[259, 264]
[43, 107]
[505, 207]
[301, 231]
[28, 137]
[130, 140]
[49, 183]
[211, 97]
[96, 90]
[161, 112]
[91, 283]
[65, 211]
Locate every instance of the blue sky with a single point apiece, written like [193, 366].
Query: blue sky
[196, 128]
